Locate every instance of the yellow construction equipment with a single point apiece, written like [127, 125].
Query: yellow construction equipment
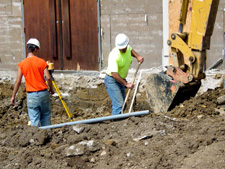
[51, 70]
[187, 59]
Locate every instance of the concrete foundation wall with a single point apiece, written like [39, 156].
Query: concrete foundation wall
[11, 39]
[141, 20]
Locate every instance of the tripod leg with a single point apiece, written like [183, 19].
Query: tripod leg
[63, 102]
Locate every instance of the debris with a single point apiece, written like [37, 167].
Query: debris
[78, 129]
[75, 150]
[221, 100]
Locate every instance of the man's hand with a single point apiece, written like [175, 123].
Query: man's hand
[140, 59]
[12, 101]
[51, 91]
[130, 85]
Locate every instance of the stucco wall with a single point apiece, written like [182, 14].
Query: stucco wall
[141, 20]
[216, 47]
[11, 39]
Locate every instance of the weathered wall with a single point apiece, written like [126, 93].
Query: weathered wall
[141, 20]
[11, 39]
[217, 44]
[129, 17]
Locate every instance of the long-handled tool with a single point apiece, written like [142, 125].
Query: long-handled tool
[132, 102]
[128, 93]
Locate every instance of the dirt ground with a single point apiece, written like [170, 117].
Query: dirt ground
[192, 135]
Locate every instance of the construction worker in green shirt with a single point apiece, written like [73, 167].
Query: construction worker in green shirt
[119, 62]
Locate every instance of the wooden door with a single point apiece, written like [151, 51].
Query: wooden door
[67, 31]
[39, 20]
[84, 35]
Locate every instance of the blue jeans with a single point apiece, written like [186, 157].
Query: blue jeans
[116, 92]
[39, 110]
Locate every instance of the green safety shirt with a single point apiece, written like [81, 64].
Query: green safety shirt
[119, 62]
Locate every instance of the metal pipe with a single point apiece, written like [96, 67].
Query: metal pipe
[99, 36]
[96, 120]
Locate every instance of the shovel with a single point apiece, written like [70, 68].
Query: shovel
[128, 93]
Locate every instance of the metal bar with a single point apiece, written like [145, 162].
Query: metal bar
[96, 120]
[99, 35]
[183, 15]
[132, 102]
[216, 64]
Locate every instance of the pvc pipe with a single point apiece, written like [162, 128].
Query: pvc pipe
[95, 120]
[132, 102]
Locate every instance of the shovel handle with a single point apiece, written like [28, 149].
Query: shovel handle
[128, 93]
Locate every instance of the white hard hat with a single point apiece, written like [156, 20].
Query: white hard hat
[121, 41]
[33, 41]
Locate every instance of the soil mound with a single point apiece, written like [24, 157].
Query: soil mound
[192, 135]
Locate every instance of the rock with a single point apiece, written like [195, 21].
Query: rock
[146, 136]
[220, 111]
[90, 145]
[199, 116]
[221, 100]
[75, 150]
[103, 153]
[92, 160]
[31, 141]
[78, 129]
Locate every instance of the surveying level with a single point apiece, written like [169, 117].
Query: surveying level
[51, 70]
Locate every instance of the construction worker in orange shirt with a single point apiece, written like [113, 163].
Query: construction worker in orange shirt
[34, 69]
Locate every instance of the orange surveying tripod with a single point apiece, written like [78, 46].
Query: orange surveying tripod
[51, 70]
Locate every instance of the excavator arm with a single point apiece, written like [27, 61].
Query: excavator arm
[187, 59]
[188, 50]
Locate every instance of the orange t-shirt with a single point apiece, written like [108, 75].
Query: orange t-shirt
[33, 70]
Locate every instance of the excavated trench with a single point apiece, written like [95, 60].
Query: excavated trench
[86, 97]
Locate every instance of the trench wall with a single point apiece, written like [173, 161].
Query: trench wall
[84, 95]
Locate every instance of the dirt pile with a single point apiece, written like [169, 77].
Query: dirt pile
[190, 136]
[205, 104]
